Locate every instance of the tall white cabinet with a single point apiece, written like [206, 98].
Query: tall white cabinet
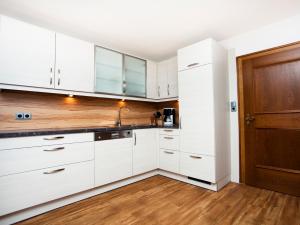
[204, 111]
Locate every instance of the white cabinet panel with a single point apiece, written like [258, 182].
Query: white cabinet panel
[24, 190]
[197, 110]
[145, 151]
[198, 166]
[74, 64]
[152, 91]
[172, 90]
[169, 142]
[23, 142]
[26, 159]
[162, 79]
[113, 160]
[27, 54]
[195, 55]
[169, 160]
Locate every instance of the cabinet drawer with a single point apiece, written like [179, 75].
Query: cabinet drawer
[169, 142]
[169, 160]
[198, 166]
[26, 159]
[24, 142]
[195, 55]
[169, 131]
[24, 190]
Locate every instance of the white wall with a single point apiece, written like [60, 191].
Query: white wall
[276, 34]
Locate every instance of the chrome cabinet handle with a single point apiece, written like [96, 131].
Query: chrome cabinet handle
[124, 85]
[168, 130]
[168, 89]
[54, 171]
[195, 157]
[54, 138]
[51, 79]
[168, 138]
[192, 64]
[54, 149]
[180, 122]
[58, 81]
[169, 152]
[134, 138]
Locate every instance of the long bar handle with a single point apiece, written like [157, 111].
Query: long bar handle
[168, 152]
[195, 157]
[168, 138]
[134, 138]
[54, 149]
[54, 138]
[54, 171]
[192, 64]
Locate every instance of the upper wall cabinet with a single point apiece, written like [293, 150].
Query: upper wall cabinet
[36, 57]
[119, 74]
[109, 71]
[195, 55]
[74, 64]
[167, 78]
[27, 54]
[152, 80]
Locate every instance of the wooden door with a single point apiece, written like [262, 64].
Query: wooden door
[270, 119]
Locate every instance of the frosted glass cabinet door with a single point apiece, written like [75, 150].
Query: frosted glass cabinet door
[135, 76]
[109, 71]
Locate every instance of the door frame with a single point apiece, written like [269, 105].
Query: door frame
[241, 103]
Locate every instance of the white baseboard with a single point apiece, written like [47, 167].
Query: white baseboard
[36, 210]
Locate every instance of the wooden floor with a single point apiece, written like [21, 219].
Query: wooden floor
[160, 200]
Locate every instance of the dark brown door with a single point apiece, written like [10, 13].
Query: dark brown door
[271, 119]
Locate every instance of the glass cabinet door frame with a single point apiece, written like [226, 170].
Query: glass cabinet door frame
[123, 73]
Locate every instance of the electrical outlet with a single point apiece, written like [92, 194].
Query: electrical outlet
[27, 116]
[19, 116]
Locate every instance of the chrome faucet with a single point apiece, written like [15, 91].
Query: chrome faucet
[119, 121]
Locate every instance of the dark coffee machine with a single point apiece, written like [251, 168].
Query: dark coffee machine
[169, 117]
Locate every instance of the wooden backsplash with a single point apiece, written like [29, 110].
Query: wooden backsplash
[60, 111]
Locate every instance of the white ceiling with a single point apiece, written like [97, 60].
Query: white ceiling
[152, 29]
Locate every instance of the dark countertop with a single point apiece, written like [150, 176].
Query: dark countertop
[37, 132]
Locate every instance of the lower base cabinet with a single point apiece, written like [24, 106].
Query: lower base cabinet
[198, 166]
[113, 160]
[169, 160]
[27, 189]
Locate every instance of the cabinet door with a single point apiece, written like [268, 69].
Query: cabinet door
[162, 79]
[169, 160]
[196, 110]
[109, 71]
[113, 160]
[195, 55]
[74, 64]
[172, 88]
[145, 151]
[27, 54]
[135, 76]
[151, 80]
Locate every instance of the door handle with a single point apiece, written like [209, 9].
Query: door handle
[193, 64]
[54, 149]
[249, 118]
[169, 152]
[195, 157]
[54, 171]
[54, 138]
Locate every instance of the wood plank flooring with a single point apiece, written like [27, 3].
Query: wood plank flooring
[160, 200]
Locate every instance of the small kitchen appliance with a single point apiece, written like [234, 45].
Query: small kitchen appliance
[169, 117]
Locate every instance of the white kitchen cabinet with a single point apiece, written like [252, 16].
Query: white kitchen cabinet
[23, 190]
[167, 78]
[169, 160]
[204, 111]
[198, 54]
[27, 159]
[36, 57]
[152, 80]
[27, 54]
[145, 151]
[169, 142]
[74, 64]
[198, 166]
[113, 160]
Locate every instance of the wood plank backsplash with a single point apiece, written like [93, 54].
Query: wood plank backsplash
[60, 111]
